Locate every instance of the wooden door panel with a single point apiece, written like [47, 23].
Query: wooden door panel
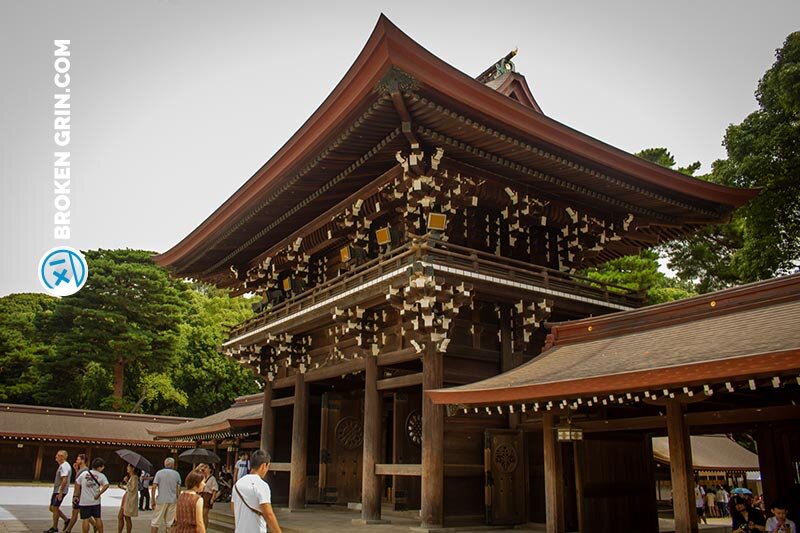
[505, 477]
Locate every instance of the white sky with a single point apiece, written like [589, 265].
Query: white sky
[176, 103]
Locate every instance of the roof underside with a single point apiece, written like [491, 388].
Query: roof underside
[712, 452]
[706, 344]
[354, 135]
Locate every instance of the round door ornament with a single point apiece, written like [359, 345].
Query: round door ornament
[349, 433]
[414, 427]
[505, 458]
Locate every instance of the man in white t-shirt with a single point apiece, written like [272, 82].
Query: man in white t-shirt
[242, 467]
[90, 485]
[251, 500]
[60, 488]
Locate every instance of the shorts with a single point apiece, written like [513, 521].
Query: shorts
[164, 514]
[701, 511]
[90, 511]
[54, 501]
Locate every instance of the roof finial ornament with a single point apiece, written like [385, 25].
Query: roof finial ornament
[505, 64]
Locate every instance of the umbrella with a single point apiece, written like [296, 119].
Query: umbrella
[199, 455]
[741, 490]
[136, 460]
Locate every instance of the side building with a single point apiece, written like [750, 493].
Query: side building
[30, 436]
[417, 232]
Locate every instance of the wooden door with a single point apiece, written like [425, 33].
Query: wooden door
[341, 447]
[505, 477]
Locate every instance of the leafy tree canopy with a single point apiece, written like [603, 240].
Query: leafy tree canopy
[763, 238]
[133, 339]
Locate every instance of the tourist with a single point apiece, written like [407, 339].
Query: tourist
[745, 517]
[60, 488]
[700, 503]
[189, 511]
[144, 491]
[711, 503]
[129, 506]
[166, 486]
[80, 466]
[779, 523]
[722, 501]
[91, 484]
[242, 467]
[251, 501]
[209, 492]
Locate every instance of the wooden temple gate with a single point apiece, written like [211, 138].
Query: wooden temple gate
[417, 233]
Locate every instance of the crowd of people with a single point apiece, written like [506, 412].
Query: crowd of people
[177, 511]
[747, 515]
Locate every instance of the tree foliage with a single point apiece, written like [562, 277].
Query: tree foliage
[21, 345]
[763, 238]
[133, 339]
[640, 272]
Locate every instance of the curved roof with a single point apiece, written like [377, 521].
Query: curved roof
[712, 452]
[356, 130]
[749, 332]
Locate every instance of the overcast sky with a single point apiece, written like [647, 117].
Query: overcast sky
[175, 103]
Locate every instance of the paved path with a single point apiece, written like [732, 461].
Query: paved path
[23, 508]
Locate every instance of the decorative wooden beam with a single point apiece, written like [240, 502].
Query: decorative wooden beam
[400, 382]
[411, 470]
[283, 402]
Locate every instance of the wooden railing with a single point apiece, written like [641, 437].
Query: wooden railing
[431, 250]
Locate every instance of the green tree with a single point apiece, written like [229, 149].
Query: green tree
[126, 318]
[641, 272]
[21, 346]
[212, 379]
[763, 238]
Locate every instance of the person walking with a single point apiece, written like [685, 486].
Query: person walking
[91, 485]
[129, 506]
[144, 491]
[251, 501]
[700, 503]
[189, 510]
[60, 488]
[80, 466]
[166, 486]
[711, 502]
[241, 468]
[210, 490]
[722, 501]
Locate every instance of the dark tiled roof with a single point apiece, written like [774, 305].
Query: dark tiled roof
[738, 336]
[78, 425]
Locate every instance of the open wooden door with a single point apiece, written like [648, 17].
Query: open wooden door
[505, 477]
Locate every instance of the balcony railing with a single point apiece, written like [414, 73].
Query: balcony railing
[430, 250]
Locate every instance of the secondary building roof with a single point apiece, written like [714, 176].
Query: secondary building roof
[712, 452]
[741, 334]
[236, 421]
[58, 424]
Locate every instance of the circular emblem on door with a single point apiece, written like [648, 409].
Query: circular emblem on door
[505, 457]
[414, 427]
[350, 433]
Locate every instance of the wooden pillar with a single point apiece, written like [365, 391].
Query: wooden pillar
[432, 512]
[268, 420]
[370, 482]
[553, 477]
[577, 454]
[680, 466]
[37, 467]
[297, 478]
